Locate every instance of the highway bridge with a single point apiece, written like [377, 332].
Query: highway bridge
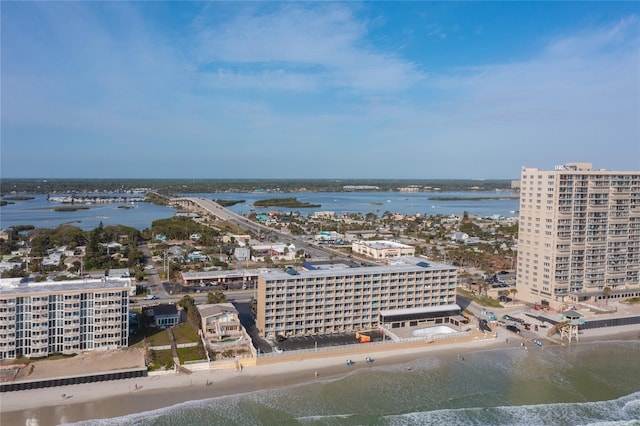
[205, 207]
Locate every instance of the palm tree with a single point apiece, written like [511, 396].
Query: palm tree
[513, 292]
[485, 287]
[479, 285]
[606, 292]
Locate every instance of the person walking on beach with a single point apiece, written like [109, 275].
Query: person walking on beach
[316, 374]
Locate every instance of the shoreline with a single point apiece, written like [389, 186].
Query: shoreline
[103, 400]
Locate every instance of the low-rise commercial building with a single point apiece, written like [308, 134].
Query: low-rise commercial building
[68, 317]
[239, 276]
[381, 250]
[324, 301]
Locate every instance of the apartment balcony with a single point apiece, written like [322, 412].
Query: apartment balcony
[598, 207]
[618, 216]
[7, 321]
[40, 324]
[7, 338]
[102, 341]
[597, 189]
[39, 345]
[618, 237]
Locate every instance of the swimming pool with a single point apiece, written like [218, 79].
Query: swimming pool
[431, 331]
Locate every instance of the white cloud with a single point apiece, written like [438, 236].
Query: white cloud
[325, 43]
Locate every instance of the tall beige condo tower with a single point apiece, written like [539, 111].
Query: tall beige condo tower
[579, 234]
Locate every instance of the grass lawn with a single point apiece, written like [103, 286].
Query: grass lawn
[161, 359]
[149, 337]
[481, 300]
[185, 333]
[194, 353]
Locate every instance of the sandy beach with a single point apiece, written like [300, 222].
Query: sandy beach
[64, 404]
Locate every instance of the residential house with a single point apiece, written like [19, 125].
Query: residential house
[163, 315]
[220, 322]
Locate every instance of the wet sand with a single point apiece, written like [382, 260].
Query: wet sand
[44, 407]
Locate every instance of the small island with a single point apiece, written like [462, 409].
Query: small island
[229, 203]
[19, 198]
[70, 208]
[284, 202]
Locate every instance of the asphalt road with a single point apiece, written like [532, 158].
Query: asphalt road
[153, 279]
[316, 250]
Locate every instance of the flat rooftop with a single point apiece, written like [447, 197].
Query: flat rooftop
[383, 244]
[12, 286]
[402, 264]
[220, 274]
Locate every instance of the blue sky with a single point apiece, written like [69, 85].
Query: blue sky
[414, 90]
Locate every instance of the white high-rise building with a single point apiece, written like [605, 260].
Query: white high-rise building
[579, 234]
[38, 319]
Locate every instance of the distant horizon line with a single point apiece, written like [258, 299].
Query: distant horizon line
[258, 179]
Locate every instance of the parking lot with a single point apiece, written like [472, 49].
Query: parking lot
[174, 288]
[323, 340]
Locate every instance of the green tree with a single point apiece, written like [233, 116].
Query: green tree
[93, 250]
[41, 241]
[216, 297]
[67, 235]
[193, 315]
[135, 256]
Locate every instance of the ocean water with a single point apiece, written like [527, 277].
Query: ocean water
[39, 211]
[586, 384]
[422, 203]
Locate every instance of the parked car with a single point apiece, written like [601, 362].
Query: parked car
[513, 329]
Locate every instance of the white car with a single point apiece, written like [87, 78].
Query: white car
[150, 297]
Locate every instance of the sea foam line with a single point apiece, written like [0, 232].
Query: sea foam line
[624, 410]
